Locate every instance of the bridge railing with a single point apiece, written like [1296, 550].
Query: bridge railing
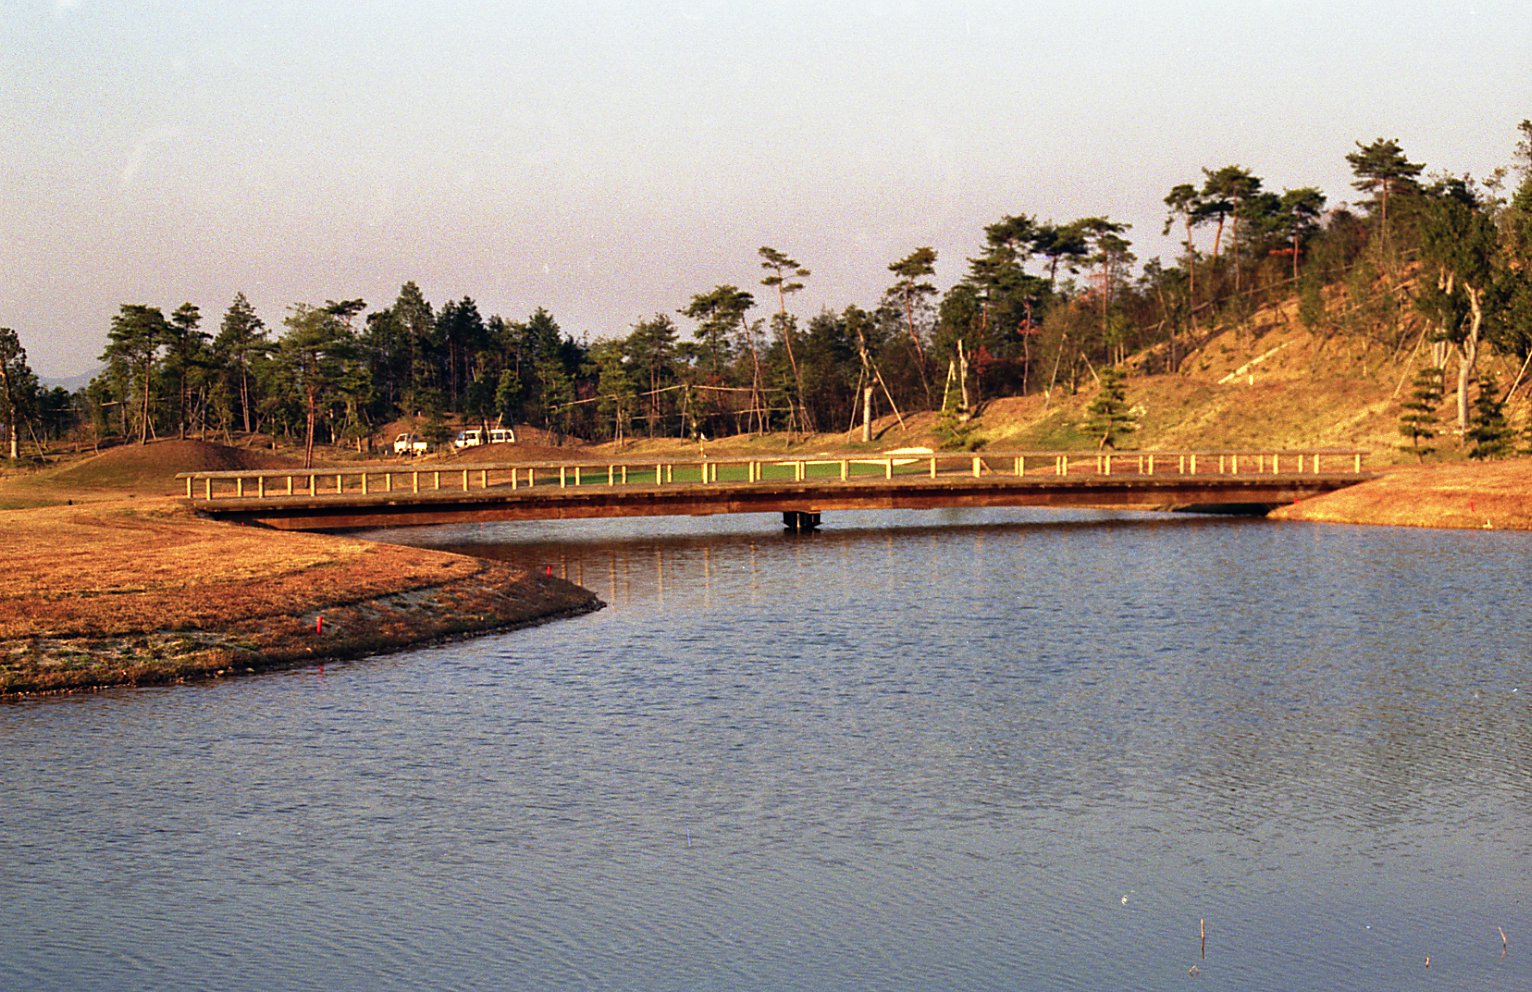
[755, 469]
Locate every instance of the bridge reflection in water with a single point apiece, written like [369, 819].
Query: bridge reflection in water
[800, 488]
[676, 564]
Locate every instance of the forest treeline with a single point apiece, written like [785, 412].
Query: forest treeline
[1043, 305]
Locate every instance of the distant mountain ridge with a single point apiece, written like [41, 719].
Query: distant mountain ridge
[69, 383]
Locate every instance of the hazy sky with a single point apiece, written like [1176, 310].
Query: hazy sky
[609, 160]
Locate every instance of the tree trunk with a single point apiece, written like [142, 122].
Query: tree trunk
[1234, 246]
[1468, 351]
[1191, 266]
[920, 352]
[308, 436]
[143, 426]
[244, 394]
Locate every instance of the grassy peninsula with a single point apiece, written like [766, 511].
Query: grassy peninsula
[112, 587]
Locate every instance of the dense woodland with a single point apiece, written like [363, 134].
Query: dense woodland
[1044, 305]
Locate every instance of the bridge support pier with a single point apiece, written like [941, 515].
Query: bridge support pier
[800, 521]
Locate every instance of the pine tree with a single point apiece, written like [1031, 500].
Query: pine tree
[1110, 417]
[1419, 421]
[1489, 433]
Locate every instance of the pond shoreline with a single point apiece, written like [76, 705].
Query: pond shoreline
[137, 592]
[143, 593]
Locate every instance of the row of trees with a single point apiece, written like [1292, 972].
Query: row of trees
[1042, 306]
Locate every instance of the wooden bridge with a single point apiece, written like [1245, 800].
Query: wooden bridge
[799, 487]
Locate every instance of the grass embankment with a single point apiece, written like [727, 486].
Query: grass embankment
[1481, 496]
[104, 589]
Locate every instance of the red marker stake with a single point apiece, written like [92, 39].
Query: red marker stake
[319, 624]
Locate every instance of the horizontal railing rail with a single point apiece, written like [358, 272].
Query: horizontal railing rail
[763, 469]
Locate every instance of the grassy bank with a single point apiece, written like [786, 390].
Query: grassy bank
[138, 591]
[1480, 496]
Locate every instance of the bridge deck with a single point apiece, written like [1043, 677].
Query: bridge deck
[349, 498]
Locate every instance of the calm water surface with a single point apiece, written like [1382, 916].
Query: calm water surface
[985, 750]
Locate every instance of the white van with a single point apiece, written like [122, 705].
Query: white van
[471, 438]
[502, 435]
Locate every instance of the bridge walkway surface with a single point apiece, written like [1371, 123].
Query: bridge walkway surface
[799, 487]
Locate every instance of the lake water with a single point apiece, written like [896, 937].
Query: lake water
[981, 750]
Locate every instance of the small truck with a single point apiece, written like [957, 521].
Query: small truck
[411, 444]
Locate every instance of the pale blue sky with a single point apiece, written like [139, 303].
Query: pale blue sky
[609, 160]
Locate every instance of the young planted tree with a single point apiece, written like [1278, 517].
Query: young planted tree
[1490, 434]
[1419, 421]
[1110, 416]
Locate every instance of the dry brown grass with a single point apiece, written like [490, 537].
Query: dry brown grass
[127, 590]
[1488, 495]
